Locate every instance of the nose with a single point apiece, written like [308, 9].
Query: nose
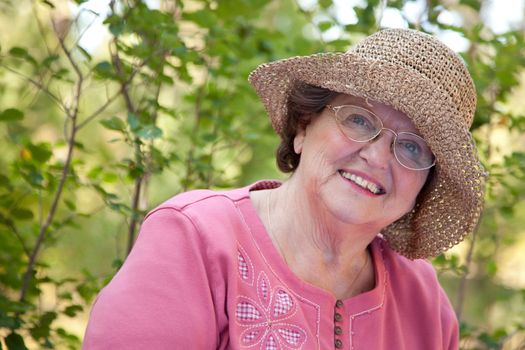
[378, 152]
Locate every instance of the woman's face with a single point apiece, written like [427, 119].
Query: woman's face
[353, 182]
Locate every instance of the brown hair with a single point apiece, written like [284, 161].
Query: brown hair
[305, 102]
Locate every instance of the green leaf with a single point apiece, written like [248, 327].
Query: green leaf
[114, 123]
[475, 4]
[83, 51]
[22, 214]
[34, 178]
[325, 3]
[104, 69]
[116, 24]
[70, 204]
[492, 267]
[149, 132]
[11, 114]
[4, 181]
[209, 137]
[203, 18]
[48, 3]
[8, 321]
[46, 62]
[72, 310]
[41, 152]
[133, 121]
[22, 53]
[15, 342]
[43, 328]
[110, 177]
[324, 26]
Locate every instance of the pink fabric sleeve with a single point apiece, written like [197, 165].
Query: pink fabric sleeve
[162, 296]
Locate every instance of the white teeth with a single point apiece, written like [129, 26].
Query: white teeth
[361, 182]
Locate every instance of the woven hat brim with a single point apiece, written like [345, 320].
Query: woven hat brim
[452, 205]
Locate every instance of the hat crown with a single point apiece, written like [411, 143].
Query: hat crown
[430, 58]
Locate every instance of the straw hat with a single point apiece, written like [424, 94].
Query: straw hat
[418, 75]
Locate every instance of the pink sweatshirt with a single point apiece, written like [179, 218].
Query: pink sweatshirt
[204, 274]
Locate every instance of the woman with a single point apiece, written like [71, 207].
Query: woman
[384, 172]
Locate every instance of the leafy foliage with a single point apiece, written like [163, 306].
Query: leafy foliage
[93, 139]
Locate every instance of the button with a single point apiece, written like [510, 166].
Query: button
[338, 317]
[339, 303]
[338, 330]
[338, 344]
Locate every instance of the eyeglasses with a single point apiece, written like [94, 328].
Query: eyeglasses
[361, 125]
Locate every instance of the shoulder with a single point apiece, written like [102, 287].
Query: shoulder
[419, 273]
[210, 219]
[415, 283]
[202, 199]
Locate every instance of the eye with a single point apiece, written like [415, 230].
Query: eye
[410, 149]
[357, 121]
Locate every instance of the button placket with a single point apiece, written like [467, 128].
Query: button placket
[338, 330]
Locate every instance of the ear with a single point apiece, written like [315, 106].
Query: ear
[299, 140]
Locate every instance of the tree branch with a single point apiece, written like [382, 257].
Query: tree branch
[40, 87]
[72, 116]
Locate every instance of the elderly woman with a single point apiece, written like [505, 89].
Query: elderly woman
[384, 173]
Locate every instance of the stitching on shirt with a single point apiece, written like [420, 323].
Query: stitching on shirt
[265, 300]
[294, 326]
[265, 318]
[257, 319]
[306, 300]
[377, 307]
[256, 340]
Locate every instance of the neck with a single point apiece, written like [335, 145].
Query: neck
[306, 224]
[316, 247]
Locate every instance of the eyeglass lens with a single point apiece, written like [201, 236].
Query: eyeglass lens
[361, 125]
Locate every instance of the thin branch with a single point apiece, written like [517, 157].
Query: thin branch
[110, 100]
[196, 126]
[39, 86]
[134, 214]
[462, 289]
[87, 27]
[26, 279]
[99, 110]
[42, 32]
[40, 28]
[124, 90]
[19, 237]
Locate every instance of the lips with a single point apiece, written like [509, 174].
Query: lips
[363, 183]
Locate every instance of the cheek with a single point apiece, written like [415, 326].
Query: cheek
[412, 184]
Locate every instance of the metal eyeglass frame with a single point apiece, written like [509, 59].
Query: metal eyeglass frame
[335, 109]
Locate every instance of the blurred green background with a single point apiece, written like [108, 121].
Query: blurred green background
[110, 107]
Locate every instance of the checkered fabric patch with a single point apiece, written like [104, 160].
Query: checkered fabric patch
[249, 337]
[263, 289]
[247, 312]
[243, 267]
[291, 336]
[271, 343]
[283, 303]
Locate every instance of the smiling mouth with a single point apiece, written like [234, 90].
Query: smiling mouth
[359, 181]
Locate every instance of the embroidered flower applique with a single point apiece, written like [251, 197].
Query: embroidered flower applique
[265, 321]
